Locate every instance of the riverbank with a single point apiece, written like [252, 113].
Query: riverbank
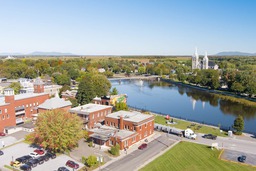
[224, 95]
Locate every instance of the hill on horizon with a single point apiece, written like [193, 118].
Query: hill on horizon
[235, 53]
[39, 53]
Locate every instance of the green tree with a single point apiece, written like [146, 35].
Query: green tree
[16, 87]
[239, 125]
[121, 106]
[91, 161]
[114, 91]
[237, 87]
[58, 130]
[115, 150]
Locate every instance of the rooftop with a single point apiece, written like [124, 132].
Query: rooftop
[54, 103]
[27, 95]
[88, 108]
[129, 116]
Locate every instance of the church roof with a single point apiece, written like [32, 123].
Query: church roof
[54, 103]
[210, 63]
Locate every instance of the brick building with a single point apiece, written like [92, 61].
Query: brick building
[15, 109]
[124, 128]
[92, 114]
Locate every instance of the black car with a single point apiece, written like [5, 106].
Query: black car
[1, 153]
[33, 162]
[46, 158]
[50, 155]
[210, 136]
[40, 159]
[62, 169]
[24, 159]
[242, 158]
[25, 167]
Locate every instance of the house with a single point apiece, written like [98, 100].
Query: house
[92, 114]
[124, 128]
[110, 100]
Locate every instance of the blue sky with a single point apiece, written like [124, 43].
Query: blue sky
[128, 27]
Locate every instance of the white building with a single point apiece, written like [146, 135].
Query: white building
[202, 64]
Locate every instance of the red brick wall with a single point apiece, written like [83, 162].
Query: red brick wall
[97, 116]
[7, 118]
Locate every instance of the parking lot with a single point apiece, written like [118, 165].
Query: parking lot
[233, 156]
[21, 149]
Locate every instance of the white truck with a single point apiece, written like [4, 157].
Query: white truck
[188, 133]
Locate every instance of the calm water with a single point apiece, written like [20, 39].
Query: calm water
[188, 103]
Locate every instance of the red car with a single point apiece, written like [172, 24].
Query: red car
[39, 151]
[72, 164]
[142, 146]
[2, 134]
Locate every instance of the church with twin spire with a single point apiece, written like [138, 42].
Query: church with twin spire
[204, 63]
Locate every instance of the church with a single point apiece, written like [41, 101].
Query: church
[202, 64]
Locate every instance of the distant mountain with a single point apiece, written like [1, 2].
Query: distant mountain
[38, 54]
[235, 54]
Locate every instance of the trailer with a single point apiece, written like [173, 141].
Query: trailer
[175, 132]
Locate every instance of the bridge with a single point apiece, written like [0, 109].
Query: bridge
[151, 77]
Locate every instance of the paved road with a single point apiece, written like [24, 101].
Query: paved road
[138, 157]
[233, 156]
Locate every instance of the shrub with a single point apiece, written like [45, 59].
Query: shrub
[91, 161]
[90, 144]
[115, 150]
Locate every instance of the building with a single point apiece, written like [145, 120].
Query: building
[69, 94]
[110, 100]
[92, 114]
[202, 64]
[15, 109]
[124, 128]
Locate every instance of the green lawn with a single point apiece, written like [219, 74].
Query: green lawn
[181, 124]
[187, 156]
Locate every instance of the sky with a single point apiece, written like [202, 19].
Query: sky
[127, 27]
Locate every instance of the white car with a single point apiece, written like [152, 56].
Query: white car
[34, 155]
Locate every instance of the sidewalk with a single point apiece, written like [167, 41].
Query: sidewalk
[130, 150]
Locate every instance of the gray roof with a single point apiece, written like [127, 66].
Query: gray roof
[211, 63]
[88, 108]
[129, 116]
[54, 103]
[105, 132]
[27, 95]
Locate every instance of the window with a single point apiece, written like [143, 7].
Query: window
[145, 125]
[126, 143]
[145, 133]
[150, 131]
[34, 104]
[7, 116]
[128, 127]
[99, 114]
[5, 110]
[0, 111]
[30, 105]
[140, 128]
[133, 139]
[92, 116]
[27, 105]
[111, 142]
[3, 117]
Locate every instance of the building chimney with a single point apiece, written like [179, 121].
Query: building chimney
[121, 122]
[9, 95]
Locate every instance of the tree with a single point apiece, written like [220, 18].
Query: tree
[239, 125]
[121, 106]
[114, 91]
[91, 161]
[237, 87]
[92, 85]
[16, 87]
[115, 150]
[58, 130]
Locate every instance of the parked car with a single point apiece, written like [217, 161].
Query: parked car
[15, 163]
[24, 159]
[242, 158]
[33, 154]
[62, 169]
[50, 155]
[210, 136]
[2, 134]
[142, 146]
[40, 159]
[39, 151]
[72, 164]
[33, 162]
[46, 158]
[25, 167]
[1, 152]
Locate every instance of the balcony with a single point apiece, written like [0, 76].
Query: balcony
[85, 120]
[22, 112]
[19, 121]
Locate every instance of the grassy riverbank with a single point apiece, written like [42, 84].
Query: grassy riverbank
[198, 128]
[192, 157]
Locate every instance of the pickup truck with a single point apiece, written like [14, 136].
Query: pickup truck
[210, 136]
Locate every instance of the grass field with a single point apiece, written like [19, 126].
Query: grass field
[187, 156]
[181, 124]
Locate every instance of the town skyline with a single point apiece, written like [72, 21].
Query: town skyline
[127, 28]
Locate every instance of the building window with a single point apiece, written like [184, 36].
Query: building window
[7, 116]
[30, 105]
[145, 125]
[99, 114]
[0, 111]
[145, 134]
[92, 116]
[27, 105]
[111, 142]
[126, 143]
[5, 110]
[150, 131]
[140, 128]
[3, 117]
[128, 127]
[36, 103]
[133, 139]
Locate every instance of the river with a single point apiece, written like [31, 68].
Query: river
[185, 102]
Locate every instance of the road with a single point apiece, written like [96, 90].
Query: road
[138, 157]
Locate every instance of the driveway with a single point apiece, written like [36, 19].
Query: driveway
[233, 156]
[21, 149]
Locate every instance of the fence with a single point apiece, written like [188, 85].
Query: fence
[225, 128]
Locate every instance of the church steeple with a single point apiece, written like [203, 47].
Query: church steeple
[205, 61]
